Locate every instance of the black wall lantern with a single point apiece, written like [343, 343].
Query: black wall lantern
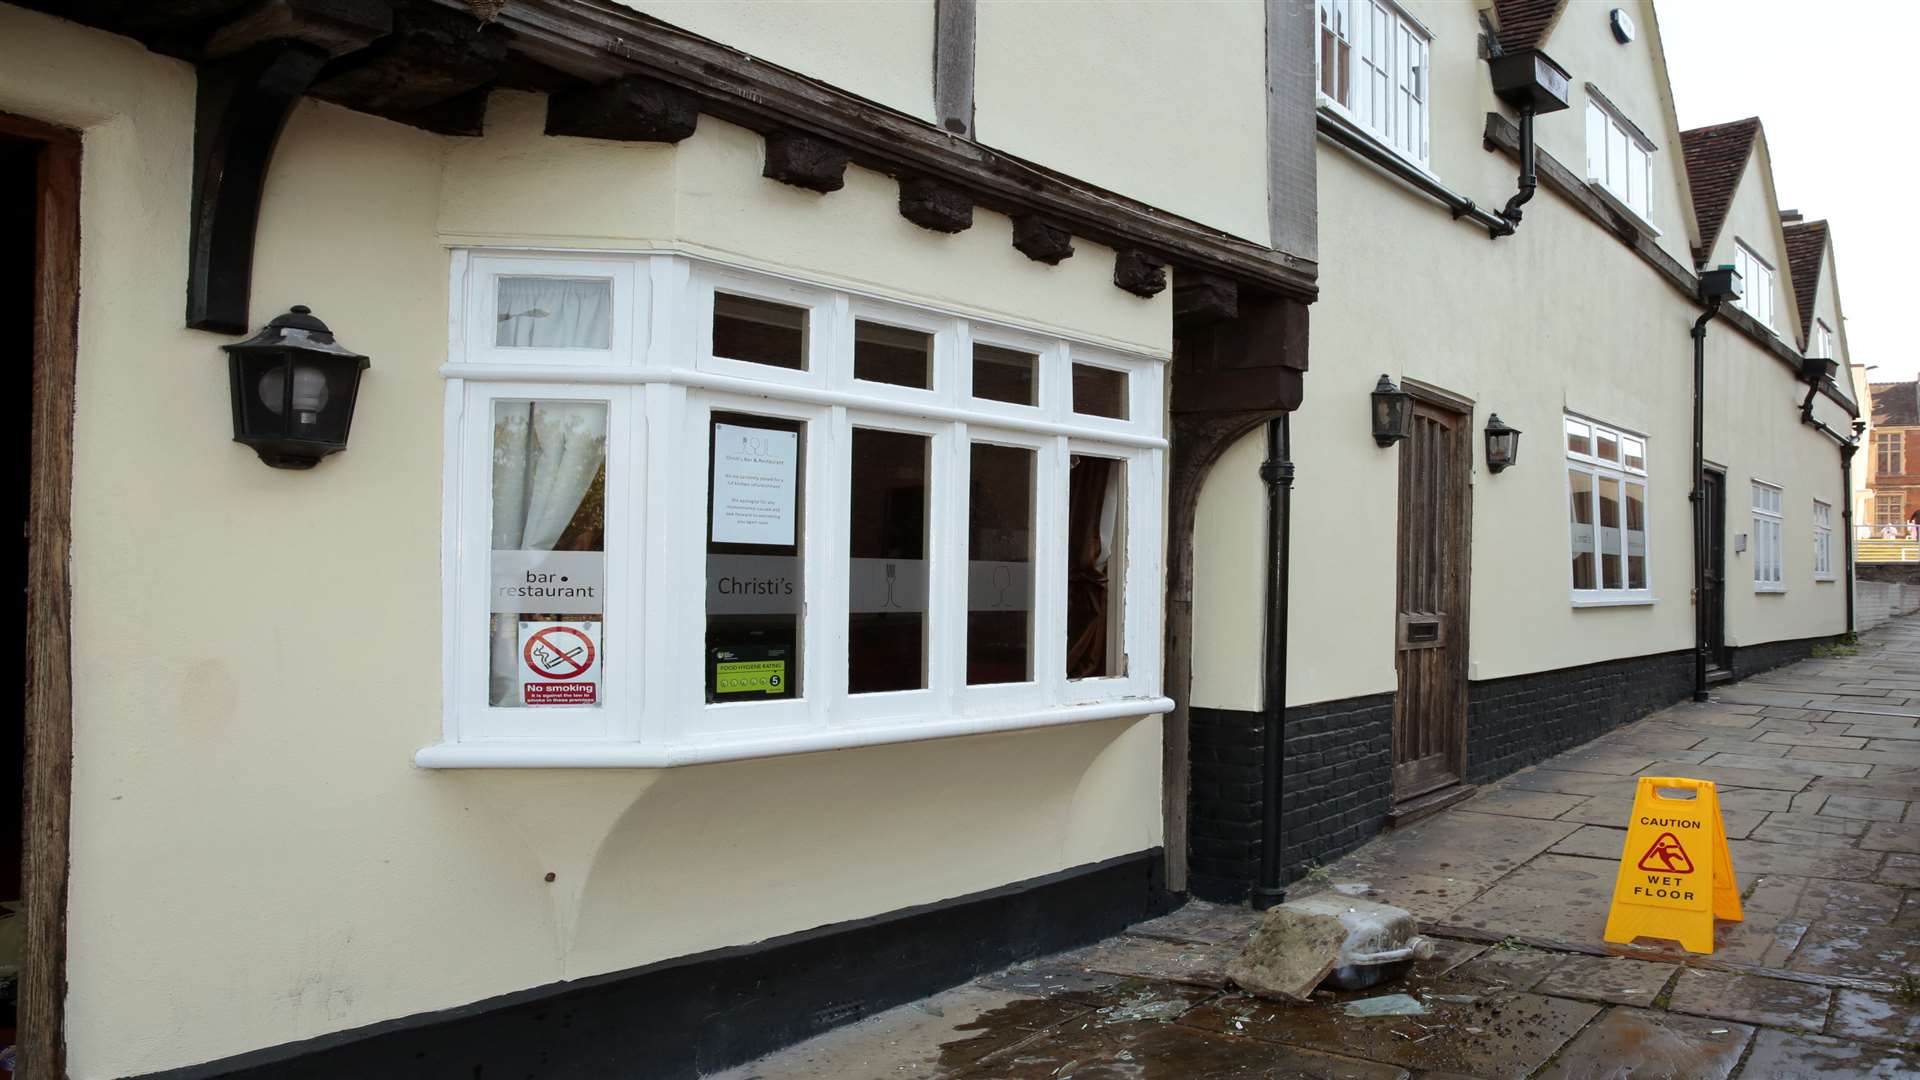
[1503, 443]
[1392, 413]
[293, 390]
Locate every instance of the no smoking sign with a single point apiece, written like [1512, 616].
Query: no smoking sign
[558, 663]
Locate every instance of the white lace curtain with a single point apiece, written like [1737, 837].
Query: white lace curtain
[553, 313]
[545, 457]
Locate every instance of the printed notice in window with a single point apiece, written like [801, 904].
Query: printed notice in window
[754, 485]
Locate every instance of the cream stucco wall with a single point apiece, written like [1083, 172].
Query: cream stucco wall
[1230, 572]
[1161, 100]
[255, 859]
[1558, 318]
[1753, 219]
[879, 49]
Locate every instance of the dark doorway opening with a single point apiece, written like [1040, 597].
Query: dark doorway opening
[39, 307]
[19, 173]
[1715, 490]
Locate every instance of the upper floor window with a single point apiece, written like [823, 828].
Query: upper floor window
[1607, 513]
[697, 513]
[1889, 510]
[1822, 343]
[1887, 447]
[1822, 540]
[1373, 67]
[1619, 158]
[1768, 575]
[1756, 284]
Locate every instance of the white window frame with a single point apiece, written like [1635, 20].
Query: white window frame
[1758, 297]
[1388, 80]
[1599, 468]
[661, 382]
[1768, 547]
[1624, 179]
[1822, 540]
[1880, 517]
[1822, 343]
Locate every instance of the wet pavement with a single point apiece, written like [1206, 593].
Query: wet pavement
[1818, 767]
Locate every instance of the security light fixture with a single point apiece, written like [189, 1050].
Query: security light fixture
[1503, 444]
[1392, 412]
[1722, 283]
[294, 388]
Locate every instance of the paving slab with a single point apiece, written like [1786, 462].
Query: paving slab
[1886, 1018]
[1900, 869]
[1728, 776]
[1193, 963]
[1637, 1044]
[1738, 799]
[1611, 762]
[1791, 765]
[1520, 802]
[1495, 1035]
[1880, 953]
[1778, 1055]
[1822, 898]
[1903, 753]
[1511, 968]
[1891, 836]
[1751, 999]
[1881, 788]
[1840, 742]
[1200, 921]
[1127, 1051]
[1612, 979]
[1816, 823]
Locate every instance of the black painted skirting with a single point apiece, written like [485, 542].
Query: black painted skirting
[713, 1010]
[1339, 768]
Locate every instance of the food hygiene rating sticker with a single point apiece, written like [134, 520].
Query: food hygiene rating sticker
[750, 677]
[559, 663]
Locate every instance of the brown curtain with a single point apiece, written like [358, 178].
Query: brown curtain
[1087, 590]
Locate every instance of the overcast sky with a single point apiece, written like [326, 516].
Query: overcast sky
[1826, 89]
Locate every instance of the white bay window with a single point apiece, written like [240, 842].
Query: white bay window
[713, 514]
[1619, 158]
[1373, 61]
[1607, 514]
[1756, 285]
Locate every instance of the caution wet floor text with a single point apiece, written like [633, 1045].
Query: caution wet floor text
[1676, 875]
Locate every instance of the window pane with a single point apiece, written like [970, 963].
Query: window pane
[759, 331]
[1099, 391]
[1096, 567]
[891, 354]
[548, 567]
[1580, 516]
[1596, 142]
[887, 602]
[1578, 438]
[1636, 536]
[1616, 160]
[756, 502]
[1633, 453]
[553, 313]
[1610, 563]
[1607, 444]
[1000, 565]
[1004, 374]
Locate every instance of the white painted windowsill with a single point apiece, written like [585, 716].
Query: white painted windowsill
[585, 754]
[1770, 590]
[1623, 601]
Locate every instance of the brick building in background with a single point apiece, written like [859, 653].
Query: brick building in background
[1891, 475]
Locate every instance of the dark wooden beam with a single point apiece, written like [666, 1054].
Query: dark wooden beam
[600, 42]
[334, 27]
[1041, 241]
[933, 204]
[804, 161]
[629, 109]
[1199, 299]
[1139, 273]
[433, 54]
[953, 34]
[241, 105]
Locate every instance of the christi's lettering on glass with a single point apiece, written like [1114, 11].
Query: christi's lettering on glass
[755, 533]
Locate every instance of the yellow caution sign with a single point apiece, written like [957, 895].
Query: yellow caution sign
[1676, 875]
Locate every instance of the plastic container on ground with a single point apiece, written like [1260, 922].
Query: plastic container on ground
[1382, 941]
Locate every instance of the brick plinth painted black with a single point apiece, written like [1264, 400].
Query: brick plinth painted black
[1339, 769]
[1337, 789]
[713, 1010]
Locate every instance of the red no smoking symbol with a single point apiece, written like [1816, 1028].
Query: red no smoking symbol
[558, 652]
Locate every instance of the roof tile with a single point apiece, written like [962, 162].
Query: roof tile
[1524, 23]
[1716, 157]
[1806, 245]
[1895, 404]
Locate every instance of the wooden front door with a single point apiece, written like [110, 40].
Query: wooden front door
[1430, 711]
[1716, 566]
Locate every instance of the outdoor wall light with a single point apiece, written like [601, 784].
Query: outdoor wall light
[1392, 413]
[1503, 444]
[293, 390]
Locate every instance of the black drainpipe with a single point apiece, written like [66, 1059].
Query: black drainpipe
[1277, 473]
[1699, 498]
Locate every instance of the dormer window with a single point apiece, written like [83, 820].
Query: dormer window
[1756, 276]
[1373, 69]
[1822, 343]
[1619, 157]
